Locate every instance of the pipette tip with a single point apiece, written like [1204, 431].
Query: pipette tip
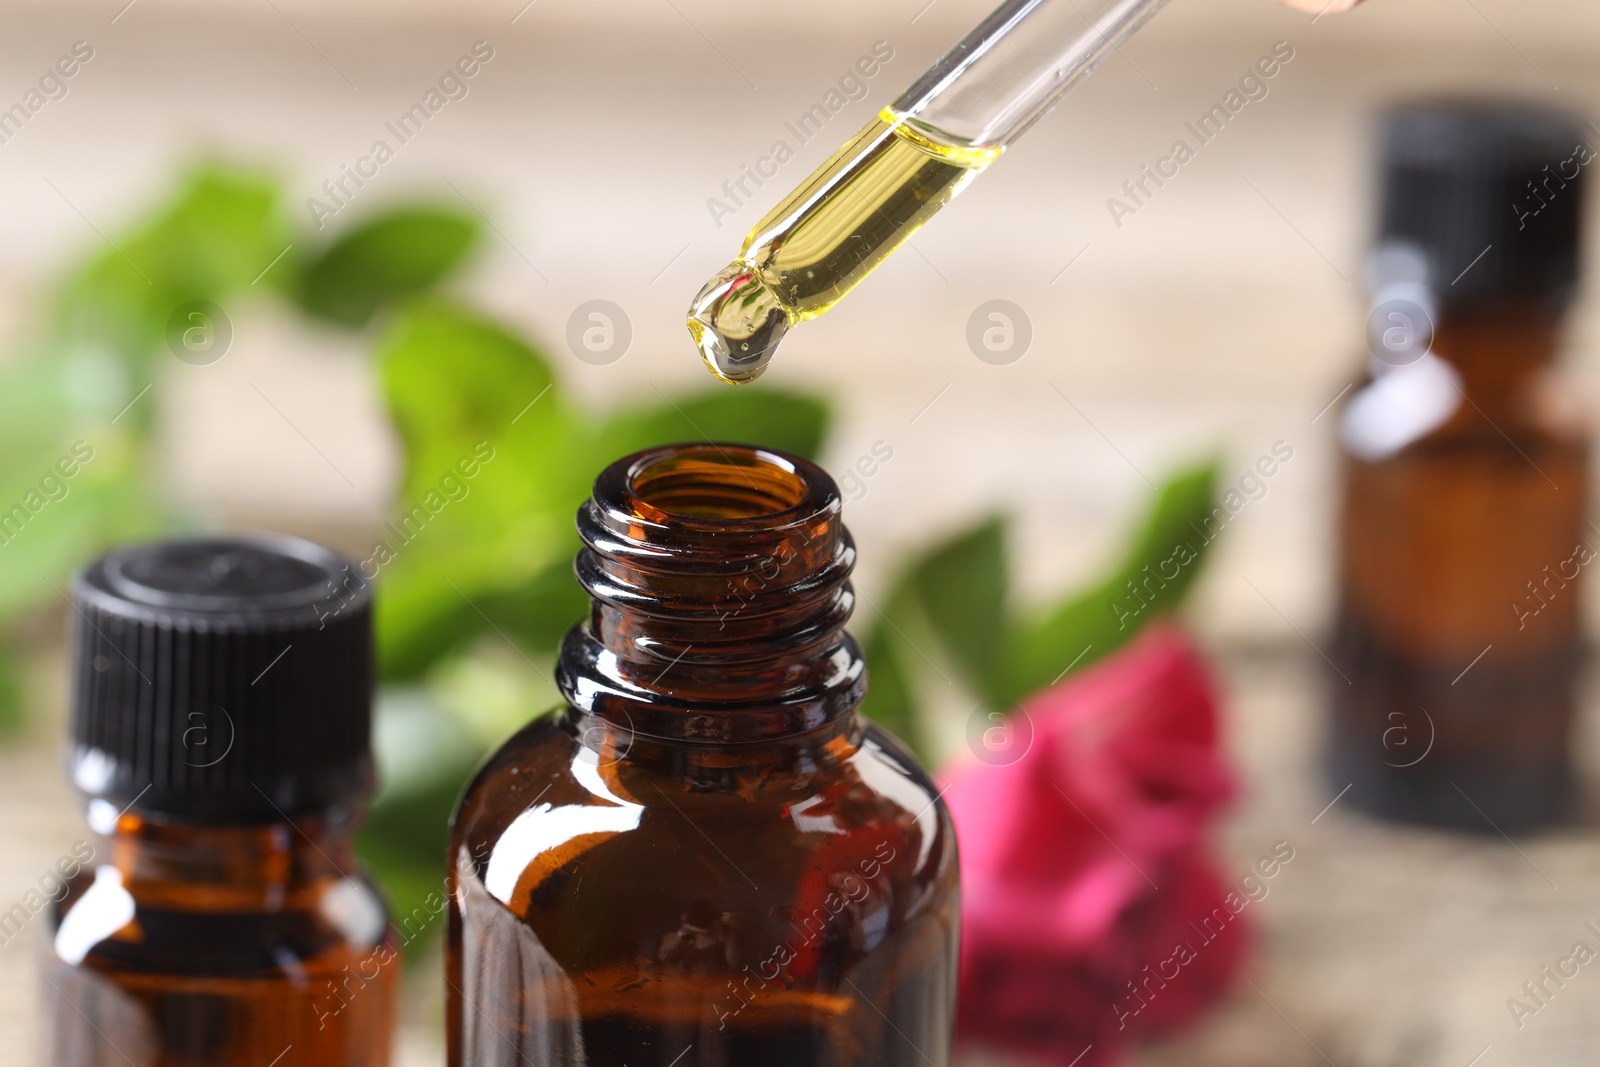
[737, 323]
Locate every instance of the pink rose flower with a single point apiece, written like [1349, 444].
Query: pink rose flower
[1089, 901]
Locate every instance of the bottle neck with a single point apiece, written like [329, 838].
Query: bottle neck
[225, 866]
[1499, 348]
[719, 582]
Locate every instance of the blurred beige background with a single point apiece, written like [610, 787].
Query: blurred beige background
[1223, 317]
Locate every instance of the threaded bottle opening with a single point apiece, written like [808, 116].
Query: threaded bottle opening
[719, 580]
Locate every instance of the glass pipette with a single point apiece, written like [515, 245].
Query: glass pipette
[912, 159]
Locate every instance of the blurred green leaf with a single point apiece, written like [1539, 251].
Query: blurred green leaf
[961, 586]
[492, 447]
[12, 710]
[1166, 553]
[538, 613]
[37, 407]
[65, 402]
[215, 237]
[955, 593]
[951, 598]
[891, 658]
[50, 523]
[385, 259]
[766, 417]
[497, 555]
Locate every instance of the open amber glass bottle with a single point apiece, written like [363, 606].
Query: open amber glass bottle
[707, 857]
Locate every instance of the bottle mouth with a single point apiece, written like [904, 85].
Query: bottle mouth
[720, 485]
[718, 576]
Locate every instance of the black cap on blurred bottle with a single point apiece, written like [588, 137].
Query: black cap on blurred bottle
[1490, 193]
[222, 680]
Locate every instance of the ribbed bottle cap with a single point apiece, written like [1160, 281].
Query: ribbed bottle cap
[222, 680]
[1490, 192]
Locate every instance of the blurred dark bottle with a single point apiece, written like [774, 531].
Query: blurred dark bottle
[706, 857]
[1464, 533]
[221, 714]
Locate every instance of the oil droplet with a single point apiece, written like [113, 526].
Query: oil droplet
[737, 322]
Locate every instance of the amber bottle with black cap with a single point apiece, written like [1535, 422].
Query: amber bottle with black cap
[706, 856]
[221, 713]
[1464, 535]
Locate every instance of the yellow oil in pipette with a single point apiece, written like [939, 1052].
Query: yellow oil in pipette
[827, 235]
